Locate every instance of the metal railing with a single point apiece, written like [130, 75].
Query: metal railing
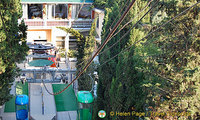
[79, 23]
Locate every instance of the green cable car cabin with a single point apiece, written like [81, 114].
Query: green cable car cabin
[85, 100]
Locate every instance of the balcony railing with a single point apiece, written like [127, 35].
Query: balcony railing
[34, 23]
[79, 23]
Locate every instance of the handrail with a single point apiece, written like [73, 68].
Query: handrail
[82, 23]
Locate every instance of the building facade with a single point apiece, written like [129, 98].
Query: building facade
[44, 16]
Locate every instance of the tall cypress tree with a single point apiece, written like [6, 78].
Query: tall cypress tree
[179, 60]
[111, 86]
[158, 74]
[13, 46]
[85, 50]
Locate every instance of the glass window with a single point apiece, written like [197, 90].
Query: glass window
[85, 12]
[72, 45]
[60, 11]
[75, 10]
[84, 105]
[53, 11]
[60, 44]
[97, 22]
[35, 11]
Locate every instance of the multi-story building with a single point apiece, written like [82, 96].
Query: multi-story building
[43, 16]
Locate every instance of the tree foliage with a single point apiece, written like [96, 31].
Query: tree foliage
[13, 46]
[159, 73]
[85, 50]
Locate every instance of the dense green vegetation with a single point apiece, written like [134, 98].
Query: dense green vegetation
[157, 74]
[12, 45]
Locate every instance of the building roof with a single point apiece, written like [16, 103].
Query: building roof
[56, 1]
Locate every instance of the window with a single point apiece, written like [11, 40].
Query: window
[97, 22]
[53, 11]
[85, 12]
[60, 11]
[60, 44]
[35, 11]
[75, 10]
[60, 38]
[72, 45]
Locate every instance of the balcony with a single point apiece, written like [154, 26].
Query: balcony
[57, 15]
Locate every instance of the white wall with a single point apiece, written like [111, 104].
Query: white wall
[101, 18]
[25, 11]
[58, 33]
[34, 35]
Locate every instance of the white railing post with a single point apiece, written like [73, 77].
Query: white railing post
[45, 22]
[70, 23]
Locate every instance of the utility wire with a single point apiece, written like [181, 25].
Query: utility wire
[108, 30]
[77, 15]
[107, 39]
[127, 24]
[146, 71]
[124, 68]
[123, 27]
[82, 63]
[69, 30]
[101, 47]
[122, 8]
[132, 19]
[150, 33]
[129, 29]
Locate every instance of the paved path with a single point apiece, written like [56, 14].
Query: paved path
[67, 115]
[42, 104]
[66, 104]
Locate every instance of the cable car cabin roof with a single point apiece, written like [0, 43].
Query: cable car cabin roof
[40, 63]
[40, 47]
[21, 100]
[57, 1]
[85, 97]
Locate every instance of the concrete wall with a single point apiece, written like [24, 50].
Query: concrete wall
[38, 34]
[100, 15]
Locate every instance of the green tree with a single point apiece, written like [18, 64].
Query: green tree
[112, 88]
[100, 3]
[13, 46]
[85, 82]
[178, 61]
[158, 74]
[85, 50]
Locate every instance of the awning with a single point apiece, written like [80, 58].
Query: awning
[40, 63]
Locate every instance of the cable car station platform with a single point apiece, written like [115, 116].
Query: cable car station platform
[31, 92]
[64, 108]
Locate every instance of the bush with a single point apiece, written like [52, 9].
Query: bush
[62, 53]
[72, 53]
